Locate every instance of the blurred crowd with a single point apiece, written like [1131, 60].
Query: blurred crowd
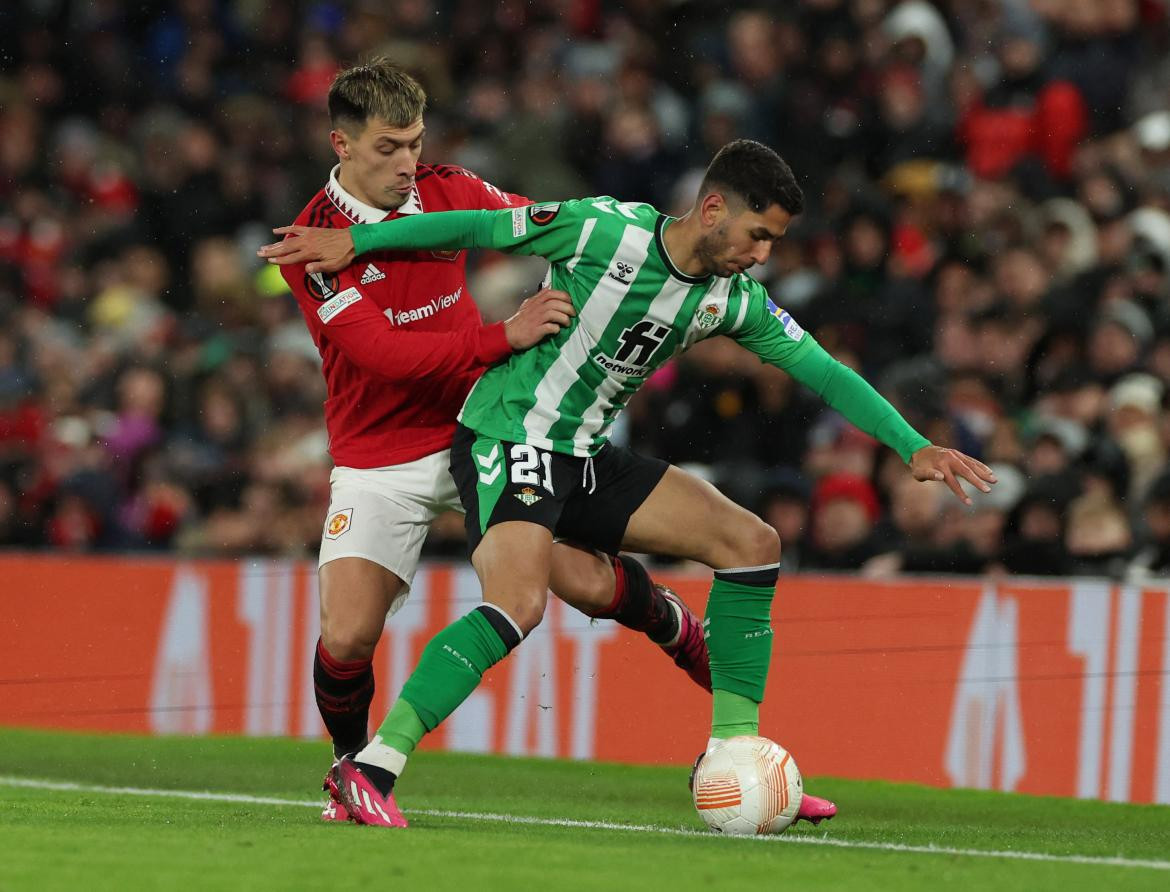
[987, 240]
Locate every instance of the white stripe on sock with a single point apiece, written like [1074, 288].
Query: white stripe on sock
[775, 566]
[511, 622]
[377, 753]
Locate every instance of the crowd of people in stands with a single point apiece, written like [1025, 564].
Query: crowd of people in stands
[987, 239]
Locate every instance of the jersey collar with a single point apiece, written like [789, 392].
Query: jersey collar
[360, 212]
[659, 228]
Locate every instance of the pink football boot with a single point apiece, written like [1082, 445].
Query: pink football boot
[333, 810]
[358, 796]
[690, 651]
[815, 809]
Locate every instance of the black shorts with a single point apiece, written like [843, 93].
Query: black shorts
[588, 501]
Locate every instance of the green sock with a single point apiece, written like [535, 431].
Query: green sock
[739, 641]
[732, 715]
[449, 669]
[402, 728]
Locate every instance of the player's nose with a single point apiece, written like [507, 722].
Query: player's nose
[761, 252]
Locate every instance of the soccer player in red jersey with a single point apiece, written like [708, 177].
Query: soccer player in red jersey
[401, 344]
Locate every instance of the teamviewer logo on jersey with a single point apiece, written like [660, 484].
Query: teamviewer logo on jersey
[621, 272]
[372, 274]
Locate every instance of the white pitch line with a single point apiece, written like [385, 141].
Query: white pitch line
[208, 796]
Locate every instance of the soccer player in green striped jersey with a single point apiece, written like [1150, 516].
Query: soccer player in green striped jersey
[531, 456]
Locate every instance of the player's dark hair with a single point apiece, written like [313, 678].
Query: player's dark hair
[754, 173]
[375, 89]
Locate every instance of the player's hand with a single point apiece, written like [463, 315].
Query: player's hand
[322, 250]
[543, 314]
[948, 466]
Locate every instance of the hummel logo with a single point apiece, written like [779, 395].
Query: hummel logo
[486, 461]
[620, 271]
[489, 469]
[372, 274]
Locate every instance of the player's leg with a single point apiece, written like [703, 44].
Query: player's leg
[370, 546]
[513, 565]
[356, 595]
[621, 589]
[509, 525]
[617, 588]
[745, 553]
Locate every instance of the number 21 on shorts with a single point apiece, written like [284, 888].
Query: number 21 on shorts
[527, 463]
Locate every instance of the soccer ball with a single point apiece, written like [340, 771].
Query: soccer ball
[747, 786]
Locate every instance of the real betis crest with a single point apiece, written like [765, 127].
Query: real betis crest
[528, 496]
[707, 316]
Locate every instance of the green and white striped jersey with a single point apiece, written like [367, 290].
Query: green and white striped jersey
[635, 310]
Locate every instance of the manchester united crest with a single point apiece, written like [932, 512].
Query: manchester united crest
[338, 523]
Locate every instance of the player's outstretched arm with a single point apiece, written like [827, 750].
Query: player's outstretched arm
[776, 338]
[331, 250]
[865, 408]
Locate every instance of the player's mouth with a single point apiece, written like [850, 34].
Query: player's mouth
[404, 190]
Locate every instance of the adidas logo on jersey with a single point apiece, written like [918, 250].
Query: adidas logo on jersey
[372, 274]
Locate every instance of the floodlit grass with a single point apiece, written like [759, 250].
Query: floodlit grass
[90, 839]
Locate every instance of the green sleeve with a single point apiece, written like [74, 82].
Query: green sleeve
[551, 231]
[853, 396]
[443, 230]
[774, 336]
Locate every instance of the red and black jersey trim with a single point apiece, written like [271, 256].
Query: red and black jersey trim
[319, 211]
[442, 171]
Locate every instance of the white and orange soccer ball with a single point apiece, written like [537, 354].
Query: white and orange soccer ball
[747, 786]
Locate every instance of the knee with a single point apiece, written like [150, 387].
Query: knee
[526, 609]
[755, 544]
[348, 639]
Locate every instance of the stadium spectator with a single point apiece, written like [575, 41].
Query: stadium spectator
[989, 198]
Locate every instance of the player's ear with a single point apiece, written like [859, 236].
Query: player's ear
[712, 208]
[340, 143]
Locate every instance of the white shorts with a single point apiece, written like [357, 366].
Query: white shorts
[383, 514]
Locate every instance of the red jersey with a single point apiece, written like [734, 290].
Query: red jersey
[401, 341]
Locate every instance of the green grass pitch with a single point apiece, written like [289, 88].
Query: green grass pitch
[465, 835]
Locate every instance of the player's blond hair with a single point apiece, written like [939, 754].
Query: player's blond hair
[375, 89]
